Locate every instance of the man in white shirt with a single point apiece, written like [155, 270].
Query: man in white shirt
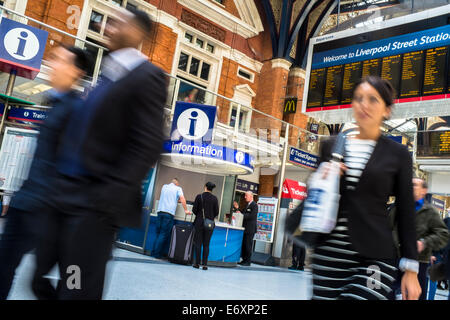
[171, 195]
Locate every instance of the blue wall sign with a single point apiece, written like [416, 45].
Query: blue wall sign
[438, 204]
[21, 48]
[244, 186]
[396, 138]
[416, 41]
[210, 151]
[193, 122]
[303, 158]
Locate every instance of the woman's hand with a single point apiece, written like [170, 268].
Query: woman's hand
[327, 169]
[410, 286]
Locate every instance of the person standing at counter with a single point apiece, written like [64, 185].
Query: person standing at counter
[250, 214]
[206, 206]
[171, 194]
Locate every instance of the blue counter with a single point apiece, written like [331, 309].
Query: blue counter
[224, 248]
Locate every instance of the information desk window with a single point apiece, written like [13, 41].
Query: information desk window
[435, 77]
[412, 74]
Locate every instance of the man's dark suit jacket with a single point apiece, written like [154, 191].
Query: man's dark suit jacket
[387, 173]
[35, 194]
[250, 215]
[123, 142]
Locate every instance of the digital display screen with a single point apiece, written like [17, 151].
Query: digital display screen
[433, 144]
[412, 74]
[434, 74]
[390, 70]
[371, 67]
[352, 74]
[316, 87]
[333, 86]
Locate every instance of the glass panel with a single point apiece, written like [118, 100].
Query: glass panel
[195, 63]
[182, 64]
[95, 22]
[131, 6]
[93, 52]
[199, 43]
[188, 37]
[210, 48]
[205, 71]
[233, 117]
[117, 2]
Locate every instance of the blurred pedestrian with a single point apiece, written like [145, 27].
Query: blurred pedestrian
[30, 206]
[432, 234]
[206, 206]
[106, 152]
[357, 259]
[171, 195]
[250, 215]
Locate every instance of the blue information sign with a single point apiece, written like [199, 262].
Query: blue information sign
[303, 158]
[21, 48]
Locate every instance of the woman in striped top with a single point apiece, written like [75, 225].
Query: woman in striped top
[357, 260]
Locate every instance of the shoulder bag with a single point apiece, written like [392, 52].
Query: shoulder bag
[208, 224]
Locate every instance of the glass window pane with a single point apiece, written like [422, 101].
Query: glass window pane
[95, 22]
[205, 71]
[233, 117]
[188, 37]
[182, 64]
[210, 48]
[199, 43]
[195, 63]
[117, 2]
[131, 6]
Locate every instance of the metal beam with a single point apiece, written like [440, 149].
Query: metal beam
[298, 23]
[285, 23]
[272, 25]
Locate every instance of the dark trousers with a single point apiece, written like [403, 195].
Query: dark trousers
[202, 238]
[81, 245]
[298, 256]
[423, 280]
[18, 238]
[164, 227]
[247, 244]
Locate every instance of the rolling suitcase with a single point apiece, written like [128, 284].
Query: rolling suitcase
[181, 242]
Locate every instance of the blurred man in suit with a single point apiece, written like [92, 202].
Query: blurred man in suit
[31, 205]
[105, 154]
[250, 214]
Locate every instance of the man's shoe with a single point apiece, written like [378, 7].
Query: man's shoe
[245, 264]
[205, 268]
[292, 268]
[196, 266]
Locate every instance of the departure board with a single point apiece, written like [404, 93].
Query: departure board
[371, 68]
[316, 87]
[412, 73]
[433, 144]
[352, 74]
[333, 86]
[390, 70]
[434, 74]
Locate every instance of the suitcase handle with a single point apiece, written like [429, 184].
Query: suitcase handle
[185, 216]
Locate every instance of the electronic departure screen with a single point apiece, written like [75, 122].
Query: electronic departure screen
[434, 74]
[414, 56]
[333, 86]
[352, 74]
[316, 87]
[412, 74]
[371, 67]
[391, 68]
[433, 144]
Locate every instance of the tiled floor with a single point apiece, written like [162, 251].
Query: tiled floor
[133, 276]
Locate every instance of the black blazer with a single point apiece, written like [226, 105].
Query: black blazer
[388, 173]
[35, 193]
[250, 214]
[123, 143]
[211, 205]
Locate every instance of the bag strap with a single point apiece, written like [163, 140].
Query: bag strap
[203, 206]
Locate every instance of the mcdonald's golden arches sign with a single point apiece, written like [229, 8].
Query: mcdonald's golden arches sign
[290, 105]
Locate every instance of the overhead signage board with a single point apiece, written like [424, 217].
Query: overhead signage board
[303, 158]
[21, 48]
[411, 52]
